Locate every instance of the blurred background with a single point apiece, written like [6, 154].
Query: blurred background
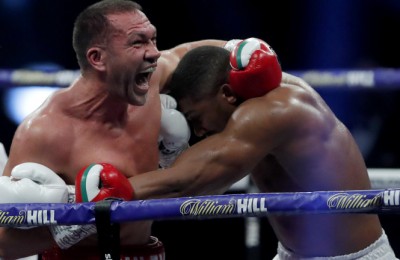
[307, 35]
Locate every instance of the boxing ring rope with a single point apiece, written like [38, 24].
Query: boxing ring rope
[366, 78]
[201, 207]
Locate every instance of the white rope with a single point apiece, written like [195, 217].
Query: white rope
[384, 178]
[381, 178]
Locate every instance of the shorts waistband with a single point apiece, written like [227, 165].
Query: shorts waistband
[380, 249]
[154, 250]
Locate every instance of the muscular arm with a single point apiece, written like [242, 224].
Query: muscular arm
[170, 58]
[29, 145]
[214, 164]
[290, 117]
[33, 142]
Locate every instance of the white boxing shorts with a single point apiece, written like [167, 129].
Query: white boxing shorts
[380, 249]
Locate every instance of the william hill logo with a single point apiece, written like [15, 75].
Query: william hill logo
[28, 217]
[197, 207]
[354, 201]
[391, 197]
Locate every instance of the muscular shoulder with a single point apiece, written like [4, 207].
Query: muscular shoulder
[295, 98]
[288, 111]
[42, 127]
[40, 137]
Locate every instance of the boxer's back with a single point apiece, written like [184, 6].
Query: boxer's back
[320, 154]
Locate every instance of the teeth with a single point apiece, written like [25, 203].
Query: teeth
[152, 69]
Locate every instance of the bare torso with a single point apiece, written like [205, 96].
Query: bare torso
[323, 156]
[290, 141]
[76, 127]
[73, 141]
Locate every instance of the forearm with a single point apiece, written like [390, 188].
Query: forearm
[177, 182]
[200, 170]
[17, 243]
[212, 42]
[182, 49]
[155, 184]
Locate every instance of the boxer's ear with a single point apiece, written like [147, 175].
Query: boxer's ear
[96, 57]
[227, 93]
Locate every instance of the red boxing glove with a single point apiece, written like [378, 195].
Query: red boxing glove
[255, 68]
[100, 181]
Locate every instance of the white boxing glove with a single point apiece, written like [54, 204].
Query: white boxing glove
[34, 183]
[168, 102]
[231, 44]
[174, 132]
[3, 158]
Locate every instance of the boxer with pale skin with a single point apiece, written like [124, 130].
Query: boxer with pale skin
[110, 114]
[288, 139]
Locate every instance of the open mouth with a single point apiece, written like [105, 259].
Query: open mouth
[142, 79]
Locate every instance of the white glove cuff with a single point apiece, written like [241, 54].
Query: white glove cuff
[231, 44]
[168, 157]
[67, 236]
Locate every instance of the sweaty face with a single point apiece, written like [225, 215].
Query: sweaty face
[131, 56]
[207, 116]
